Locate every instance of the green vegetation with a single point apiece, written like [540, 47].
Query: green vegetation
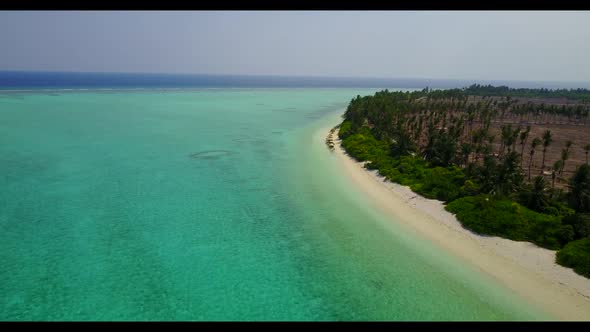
[443, 183]
[485, 214]
[504, 91]
[576, 255]
[580, 223]
[580, 189]
[439, 144]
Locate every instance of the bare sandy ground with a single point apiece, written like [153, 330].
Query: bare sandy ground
[523, 267]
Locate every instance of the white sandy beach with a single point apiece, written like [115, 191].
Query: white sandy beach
[523, 267]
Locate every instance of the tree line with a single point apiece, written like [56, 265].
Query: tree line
[504, 91]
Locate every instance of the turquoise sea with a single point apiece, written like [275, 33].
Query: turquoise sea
[207, 204]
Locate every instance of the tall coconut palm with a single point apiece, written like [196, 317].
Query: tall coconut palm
[509, 175]
[547, 139]
[523, 138]
[565, 154]
[505, 137]
[514, 137]
[586, 150]
[536, 142]
[580, 189]
[537, 194]
[554, 170]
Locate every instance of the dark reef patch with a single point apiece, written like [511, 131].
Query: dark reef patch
[285, 110]
[250, 140]
[212, 154]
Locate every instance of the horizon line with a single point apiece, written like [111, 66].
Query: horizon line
[290, 76]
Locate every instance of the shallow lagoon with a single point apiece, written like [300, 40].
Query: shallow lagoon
[210, 204]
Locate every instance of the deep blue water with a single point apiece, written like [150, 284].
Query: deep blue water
[13, 80]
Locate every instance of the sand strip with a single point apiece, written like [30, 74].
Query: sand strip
[523, 267]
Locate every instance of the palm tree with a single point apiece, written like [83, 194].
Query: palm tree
[466, 149]
[487, 174]
[514, 137]
[554, 170]
[505, 138]
[523, 137]
[586, 150]
[537, 199]
[534, 145]
[565, 154]
[509, 175]
[547, 139]
[580, 189]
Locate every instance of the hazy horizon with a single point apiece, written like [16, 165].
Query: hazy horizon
[288, 76]
[446, 45]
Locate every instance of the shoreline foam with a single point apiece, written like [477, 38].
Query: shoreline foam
[523, 267]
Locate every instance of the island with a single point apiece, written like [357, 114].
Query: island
[505, 163]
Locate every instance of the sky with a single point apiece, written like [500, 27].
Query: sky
[484, 45]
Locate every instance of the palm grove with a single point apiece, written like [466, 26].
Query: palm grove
[441, 144]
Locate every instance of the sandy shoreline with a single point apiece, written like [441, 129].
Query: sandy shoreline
[523, 267]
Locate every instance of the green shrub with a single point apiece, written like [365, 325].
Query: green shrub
[502, 217]
[576, 255]
[363, 146]
[344, 130]
[469, 188]
[580, 223]
[441, 183]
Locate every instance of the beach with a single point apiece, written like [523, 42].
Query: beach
[524, 268]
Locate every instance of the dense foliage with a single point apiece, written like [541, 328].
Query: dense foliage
[502, 217]
[580, 223]
[440, 145]
[580, 189]
[576, 255]
[443, 183]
